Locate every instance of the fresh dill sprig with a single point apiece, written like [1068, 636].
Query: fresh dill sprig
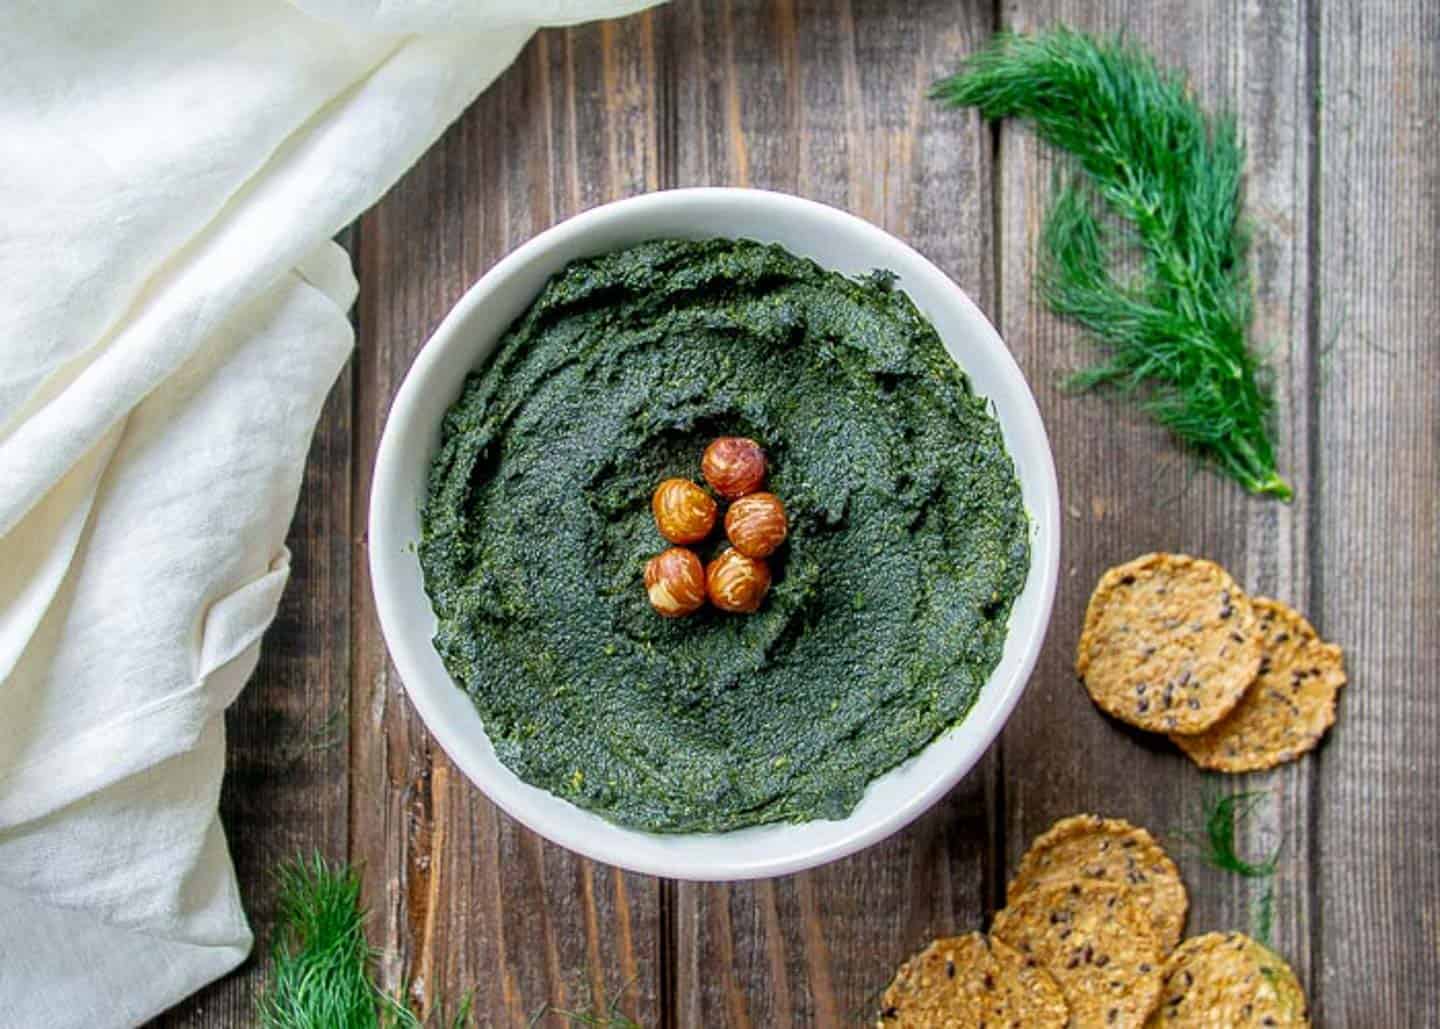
[1215, 842]
[611, 1018]
[1170, 176]
[320, 963]
[1262, 915]
[319, 974]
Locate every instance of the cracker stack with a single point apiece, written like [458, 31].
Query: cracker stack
[1089, 939]
[1171, 644]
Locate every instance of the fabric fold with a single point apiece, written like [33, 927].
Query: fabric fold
[75, 966]
[40, 550]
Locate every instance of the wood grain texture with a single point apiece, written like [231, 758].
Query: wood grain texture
[1126, 487]
[1377, 531]
[827, 99]
[465, 899]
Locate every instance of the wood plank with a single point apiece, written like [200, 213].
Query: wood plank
[825, 98]
[1377, 534]
[287, 745]
[1126, 488]
[465, 899]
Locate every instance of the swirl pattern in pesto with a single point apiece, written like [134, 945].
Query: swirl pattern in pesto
[908, 538]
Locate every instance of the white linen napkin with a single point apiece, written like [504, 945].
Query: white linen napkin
[171, 317]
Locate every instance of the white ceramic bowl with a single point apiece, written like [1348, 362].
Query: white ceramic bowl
[464, 342]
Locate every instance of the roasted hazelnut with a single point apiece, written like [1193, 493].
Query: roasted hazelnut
[734, 466]
[737, 583]
[675, 582]
[684, 513]
[756, 524]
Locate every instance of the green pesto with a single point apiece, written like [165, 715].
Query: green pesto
[908, 538]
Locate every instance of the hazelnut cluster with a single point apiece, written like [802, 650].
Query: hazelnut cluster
[755, 523]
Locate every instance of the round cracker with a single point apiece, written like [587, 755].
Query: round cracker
[1287, 709]
[1169, 643]
[971, 980]
[1227, 979]
[1091, 847]
[1097, 944]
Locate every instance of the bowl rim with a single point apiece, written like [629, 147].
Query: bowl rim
[383, 535]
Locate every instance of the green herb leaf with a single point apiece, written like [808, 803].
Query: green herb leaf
[1262, 916]
[611, 1018]
[320, 974]
[1152, 161]
[606, 1020]
[1216, 842]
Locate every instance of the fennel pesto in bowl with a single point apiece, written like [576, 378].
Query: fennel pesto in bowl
[904, 544]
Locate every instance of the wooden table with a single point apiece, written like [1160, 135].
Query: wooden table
[826, 98]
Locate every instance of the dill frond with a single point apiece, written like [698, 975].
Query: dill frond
[611, 1018]
[320, 963]
[1170, 175]
[319, 974]
[605, 1020]
[1262, 916]
[1215, 841]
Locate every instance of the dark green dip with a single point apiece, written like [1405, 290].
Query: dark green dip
[908, 539]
